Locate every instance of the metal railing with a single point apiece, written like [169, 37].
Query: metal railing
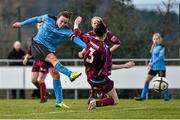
[77, 62]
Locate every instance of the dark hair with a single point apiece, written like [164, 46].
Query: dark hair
[66, 14]
[100, 29]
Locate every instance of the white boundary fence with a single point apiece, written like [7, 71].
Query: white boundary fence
[13, 77]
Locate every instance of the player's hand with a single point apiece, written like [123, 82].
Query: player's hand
[149, 66]
[78, 20]
[129, 64]
[16, 25]
[25, 61]
[81, 53]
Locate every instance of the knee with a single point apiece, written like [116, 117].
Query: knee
[41, 81]
[55, 75]
[116, 101]
[34, 80]
[51, 58]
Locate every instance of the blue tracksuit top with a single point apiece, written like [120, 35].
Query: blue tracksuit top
[157, 58]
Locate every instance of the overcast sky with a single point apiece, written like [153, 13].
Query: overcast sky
[151, 4]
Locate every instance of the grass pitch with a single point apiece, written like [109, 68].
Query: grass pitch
[149, 109]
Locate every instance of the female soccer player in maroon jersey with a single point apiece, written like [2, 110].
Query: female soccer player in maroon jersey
[95, 56]
[98, 86]
[95, 60]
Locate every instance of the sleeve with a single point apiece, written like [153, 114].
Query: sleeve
[77, 31]
[113, 39]
[78, 41]
[33, 20]
[83, 36]
[69, 33]
[160, 57]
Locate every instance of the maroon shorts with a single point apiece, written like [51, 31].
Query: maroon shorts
[103, 87]
[39, 66]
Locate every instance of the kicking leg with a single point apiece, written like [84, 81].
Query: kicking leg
[59, 67]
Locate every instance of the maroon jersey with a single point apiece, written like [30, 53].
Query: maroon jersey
[110, 38]
[95, 60]
[89, 40]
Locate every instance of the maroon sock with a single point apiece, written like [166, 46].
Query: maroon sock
[103, 96]
[105, 102]
[43, 91]
[37, 84]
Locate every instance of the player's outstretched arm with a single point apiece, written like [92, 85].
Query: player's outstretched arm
[127, 65]
[33, 20]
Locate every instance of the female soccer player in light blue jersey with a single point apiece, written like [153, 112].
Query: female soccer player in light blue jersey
[156, 66]
[53, 31]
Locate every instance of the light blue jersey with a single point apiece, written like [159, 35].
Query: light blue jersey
[49, 34]
[157, 58]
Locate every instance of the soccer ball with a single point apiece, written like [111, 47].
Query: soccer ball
[160, 84]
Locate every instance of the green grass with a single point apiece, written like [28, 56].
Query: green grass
[150, 109]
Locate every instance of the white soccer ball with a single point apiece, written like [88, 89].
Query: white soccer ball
[160, 84]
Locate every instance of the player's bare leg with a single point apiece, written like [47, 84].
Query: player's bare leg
[34, 76]
[113, 95]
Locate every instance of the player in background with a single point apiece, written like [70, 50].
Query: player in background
[110, 38]
[38, 73]
[155, 66]
[53, 31]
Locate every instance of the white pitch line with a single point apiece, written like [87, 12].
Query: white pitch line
[69, 111]
[42, 113]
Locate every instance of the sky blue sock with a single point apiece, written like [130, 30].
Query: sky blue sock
[58, 91]
[59, 67]
[166, 94]
[145, 90]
